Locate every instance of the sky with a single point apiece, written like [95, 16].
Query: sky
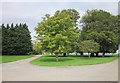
[31, 13]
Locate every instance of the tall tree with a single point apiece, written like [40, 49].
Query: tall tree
[27, 45]
[89, 46]
[5, 39]
[75, 16]
[16, 39]
[100, 26]
[37, 47]
[57, 33]
[0, 41]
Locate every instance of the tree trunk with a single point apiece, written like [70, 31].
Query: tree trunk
[103, 54]
[52, 53]
[67, 53]
[76, 53]
[92, 54]
[57, 57]
[64, 54]
[81, 53]
[89, 55]
[97, 54]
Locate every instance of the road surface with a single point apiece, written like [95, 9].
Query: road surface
[24, 71]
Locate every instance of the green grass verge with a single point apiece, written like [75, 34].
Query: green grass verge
[0, 59]
[72, 60]
[6, 59]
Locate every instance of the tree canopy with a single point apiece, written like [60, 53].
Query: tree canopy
[102, 27]
[61, 34]
[37, 47]
[89, 46]
[57, 33]
[16, 39]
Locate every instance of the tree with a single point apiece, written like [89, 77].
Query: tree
[101, 26]
[16, 39]
[75, 16]
[5, 39]
[25, 39]
[0, 41]
[89, 46]
[37, 47]
[57, 33]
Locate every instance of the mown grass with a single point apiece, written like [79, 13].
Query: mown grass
[72, 60]
[11, 58]
[0, 59]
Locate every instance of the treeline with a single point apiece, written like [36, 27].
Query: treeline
[61, 34]
[101, 27]
[16, 39]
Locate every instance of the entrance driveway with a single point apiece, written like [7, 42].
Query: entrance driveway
[24, 71]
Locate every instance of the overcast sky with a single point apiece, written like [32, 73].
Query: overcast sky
[31, 13]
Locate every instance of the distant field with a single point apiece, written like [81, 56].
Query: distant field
[72, 60]
[5, 59]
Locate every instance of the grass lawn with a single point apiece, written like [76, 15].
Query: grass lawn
[0, 59]
[72, 60]
[5, 59]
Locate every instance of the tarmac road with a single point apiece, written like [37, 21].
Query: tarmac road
[24, 71]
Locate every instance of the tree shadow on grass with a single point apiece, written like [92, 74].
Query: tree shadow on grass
[94, 56]
[106, 56]
[54, 60]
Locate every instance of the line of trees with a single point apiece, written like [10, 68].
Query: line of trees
[16, 39]
[60, 34]
[101, 27]
[0, 41]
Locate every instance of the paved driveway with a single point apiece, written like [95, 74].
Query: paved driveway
[23, 71]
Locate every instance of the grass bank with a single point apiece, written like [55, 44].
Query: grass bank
[72, 60]
[11, 58]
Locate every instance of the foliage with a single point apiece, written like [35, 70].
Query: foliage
[16, 40]
[37, 47]
[57, 33]
[118, 29]
[89, 46]
[74, 14]
[102, 27]
[0, 41]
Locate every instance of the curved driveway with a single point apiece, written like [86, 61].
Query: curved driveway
[23, 71]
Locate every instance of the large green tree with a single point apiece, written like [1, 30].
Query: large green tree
[37, 47]
[57, 33]
[89, 46]
[118, 29]
[0, 41]
[102, 27]
[5, 39]
[16, 39]
[75, 16]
